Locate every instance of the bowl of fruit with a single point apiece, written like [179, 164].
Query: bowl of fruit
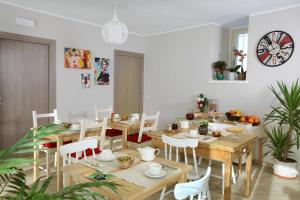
[251, 119]
[234, 115]
[125, 161]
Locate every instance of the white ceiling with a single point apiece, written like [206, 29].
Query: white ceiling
[149, 17]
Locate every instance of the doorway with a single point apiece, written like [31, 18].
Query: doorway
[27, 82]
[128, 82]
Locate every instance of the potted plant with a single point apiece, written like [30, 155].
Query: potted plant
[287, 134]
[202, 102]
[239, 54]
[13, 183]
[219, 68]
[203, 127]
[232, 71]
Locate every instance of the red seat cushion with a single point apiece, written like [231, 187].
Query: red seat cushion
[134, 138]
[113, 132]
[88, 152]
[54, 144]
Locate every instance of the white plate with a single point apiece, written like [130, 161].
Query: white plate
[160, 175]
[74, 129]
[192, 136]
[113, 157]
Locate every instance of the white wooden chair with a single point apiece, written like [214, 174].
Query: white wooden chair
[111, 134]
[185, 144]
[148, 124]
[100, 137]
[47, 148]
[78, 149]
[198, 188]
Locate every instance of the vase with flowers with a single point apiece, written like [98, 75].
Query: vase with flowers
[202, 102]
[239, 54]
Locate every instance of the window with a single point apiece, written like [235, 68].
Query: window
[239, 40]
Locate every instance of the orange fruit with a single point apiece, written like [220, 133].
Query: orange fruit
[251, 120]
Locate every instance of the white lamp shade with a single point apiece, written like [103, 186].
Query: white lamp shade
[115, 31]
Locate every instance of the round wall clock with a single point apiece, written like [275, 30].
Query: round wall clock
[275, 48]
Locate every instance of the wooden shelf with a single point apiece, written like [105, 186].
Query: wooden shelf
[228, 81]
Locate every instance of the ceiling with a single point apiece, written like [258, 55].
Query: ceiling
[147, 17]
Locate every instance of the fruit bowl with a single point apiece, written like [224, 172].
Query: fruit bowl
[232, 117]
[125, 161]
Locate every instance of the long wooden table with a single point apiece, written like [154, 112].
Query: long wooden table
[129, 191]
[225, 150]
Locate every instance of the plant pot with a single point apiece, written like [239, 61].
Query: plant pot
[202, 131]
[241, 76]
[231, 75]
[220, 76]
[287, 170]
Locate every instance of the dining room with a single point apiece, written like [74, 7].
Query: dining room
[141, 99]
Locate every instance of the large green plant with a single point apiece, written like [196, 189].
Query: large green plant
[287, 113]
[12, 178]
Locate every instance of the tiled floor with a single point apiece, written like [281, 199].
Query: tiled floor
[265, 185]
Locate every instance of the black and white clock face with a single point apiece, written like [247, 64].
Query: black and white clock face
[275, 48]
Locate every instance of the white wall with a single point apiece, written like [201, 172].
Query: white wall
[178, 68]
[70, 96]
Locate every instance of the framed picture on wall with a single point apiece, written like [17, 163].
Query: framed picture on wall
[77, 58]
[101, 71]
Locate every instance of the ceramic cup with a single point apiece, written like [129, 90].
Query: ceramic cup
[154, 169]
[106, 154]
[193, 133]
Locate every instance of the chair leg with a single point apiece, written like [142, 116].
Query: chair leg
[162, 194]
[55, 159]
[223, 167]
[208, 194]
[48, 160]
[111, 143]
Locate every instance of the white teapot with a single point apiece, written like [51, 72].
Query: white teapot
[148, 153]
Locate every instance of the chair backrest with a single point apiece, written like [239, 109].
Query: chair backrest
[103, 113]
[77, 147]
[88, 124]
[199, 187]
[148, 123]
[36, 116]
[177, 143]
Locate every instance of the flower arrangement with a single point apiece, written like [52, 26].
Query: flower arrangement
[202, 102]
[239, 53]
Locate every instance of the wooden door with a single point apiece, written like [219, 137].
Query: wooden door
[128, 82]
[24, 87]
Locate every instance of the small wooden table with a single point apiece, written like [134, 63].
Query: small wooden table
[125, 128]
[225, 150]
[129, 191]
[60, 138]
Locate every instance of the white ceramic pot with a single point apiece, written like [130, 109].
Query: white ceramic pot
[231, 76]
[184, 124]
[285, 169]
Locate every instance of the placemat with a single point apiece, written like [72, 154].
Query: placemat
[201, 138]
[136, 174]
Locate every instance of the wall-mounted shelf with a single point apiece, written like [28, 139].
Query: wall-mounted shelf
[228, 81]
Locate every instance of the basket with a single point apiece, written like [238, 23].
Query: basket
[125, 164]
[232, 118]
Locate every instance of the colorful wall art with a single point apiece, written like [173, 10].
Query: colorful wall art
[101, 71]
[86, 80]
[77, 58]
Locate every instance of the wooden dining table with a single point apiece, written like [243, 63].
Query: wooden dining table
[129, 190]
[225, 149]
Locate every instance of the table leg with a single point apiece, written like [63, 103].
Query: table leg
[59, 164]
[227, 176]
[260, 150]
[36, 162]
[125, 133]
[248, 170]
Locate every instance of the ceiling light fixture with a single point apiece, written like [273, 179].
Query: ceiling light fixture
[115, 31]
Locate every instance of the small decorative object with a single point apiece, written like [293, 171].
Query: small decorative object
[234, 115]
[101, 72]
[86, 80]
[216, 133]
[232, 71]
[115, 31]
[77, 58]
[174, 126]
[202, 102]
[275, 48]
[241, 75]
[219, 68]
[203, 127]
[125, 161]
[190, 115]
